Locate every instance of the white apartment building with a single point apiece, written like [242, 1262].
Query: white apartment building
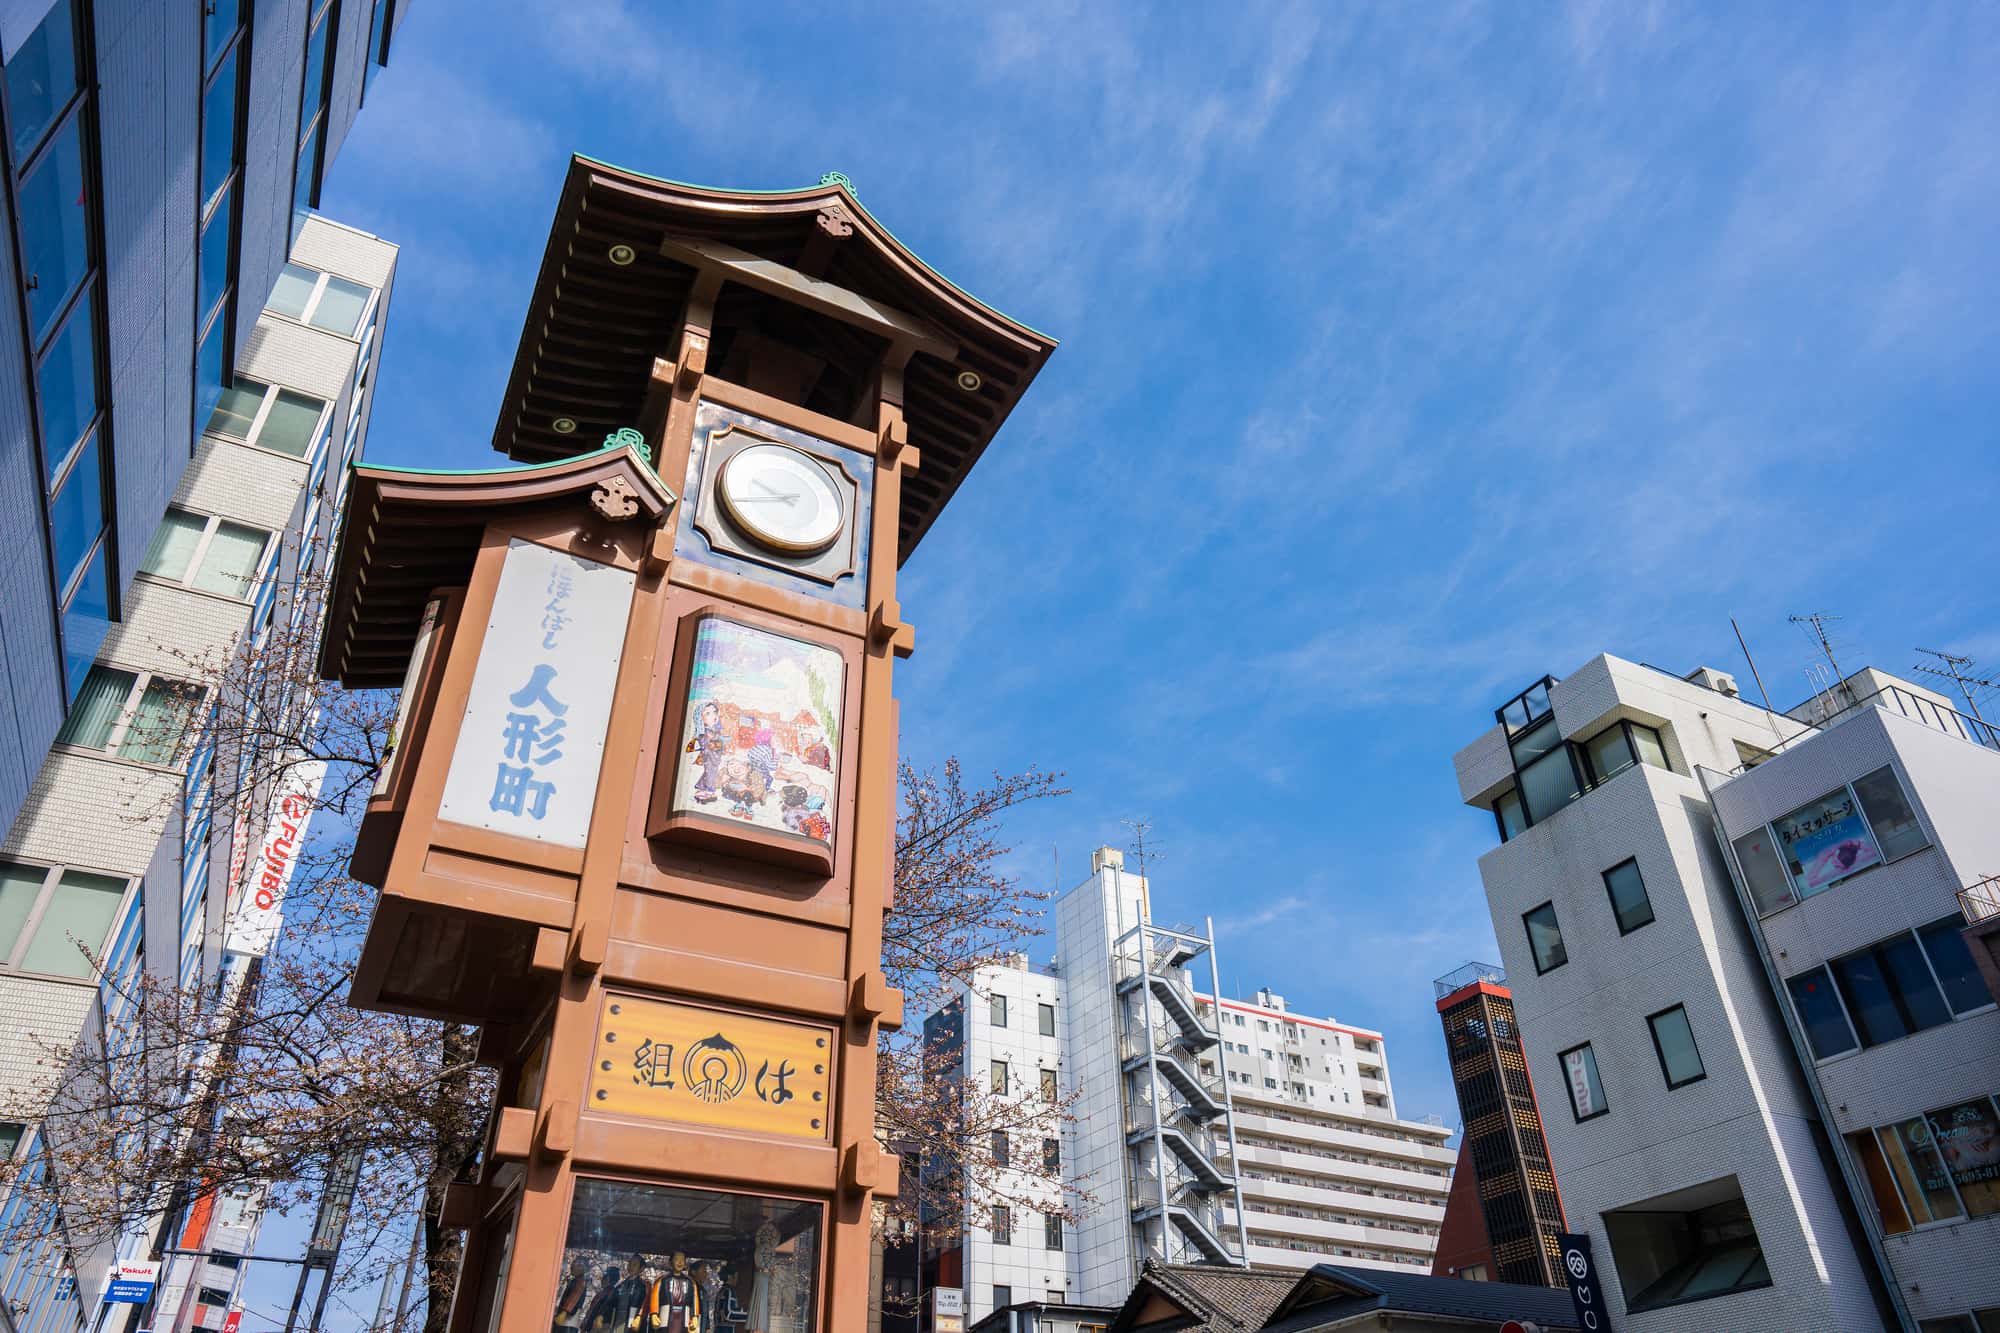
[1328, 1172]
[121, 844]
[1165, 1099]
[1697, 1152]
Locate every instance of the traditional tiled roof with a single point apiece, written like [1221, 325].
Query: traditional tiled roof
[1213, 1298]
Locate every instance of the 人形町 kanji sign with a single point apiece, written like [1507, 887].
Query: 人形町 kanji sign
[528, 754]
[667, 1061]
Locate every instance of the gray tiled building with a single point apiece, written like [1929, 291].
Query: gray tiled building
[159, 159]
[1657, 896]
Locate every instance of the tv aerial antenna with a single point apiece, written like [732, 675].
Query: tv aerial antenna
[1953, 668]
[1817, 623]
[1140, 828]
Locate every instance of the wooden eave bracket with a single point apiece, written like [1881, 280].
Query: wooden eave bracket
[693, 363]
[551, 950]
[886, 629]
[557, 1131]
[660, 550]
[586, 947]
[866, 1169]
[874, 1000]
[462, 1206]
[514, 1135]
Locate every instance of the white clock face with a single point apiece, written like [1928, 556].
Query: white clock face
[781, 498]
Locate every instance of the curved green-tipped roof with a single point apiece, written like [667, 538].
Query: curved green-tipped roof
[622, 261]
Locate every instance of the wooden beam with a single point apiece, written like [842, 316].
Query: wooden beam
[773, 278]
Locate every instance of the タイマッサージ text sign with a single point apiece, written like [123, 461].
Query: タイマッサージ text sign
[667, 1061]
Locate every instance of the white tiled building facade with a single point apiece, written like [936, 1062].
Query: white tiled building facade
[121, 843]
[1328, 1170]
[1687, 1139]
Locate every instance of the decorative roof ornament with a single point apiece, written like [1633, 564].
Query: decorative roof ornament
[632, 440]
[840, 178]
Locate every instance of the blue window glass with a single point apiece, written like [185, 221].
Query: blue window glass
[86, 620]
[69, 386]
[1889, 990]
[218, 131]
[315, 76]
[77, 512]
[1964, 989]
[53, 230]
[208, 369]
[41, 78]
[371, 59]
[1819, 1013]
[217, 28]
[214, 259]
[302, 185]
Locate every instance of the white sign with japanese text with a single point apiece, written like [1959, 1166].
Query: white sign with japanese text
[260, 907]
[533, 740]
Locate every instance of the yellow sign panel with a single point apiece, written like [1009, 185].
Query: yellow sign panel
[666, 1061]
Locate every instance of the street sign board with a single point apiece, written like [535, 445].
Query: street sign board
[1586, 1294]
[132, 1281]
[948, 1300]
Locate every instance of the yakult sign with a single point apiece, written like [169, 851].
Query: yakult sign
[260, 909]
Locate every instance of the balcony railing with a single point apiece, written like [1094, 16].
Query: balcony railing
[1894, 699]
[1459, 978]
[1980, 901]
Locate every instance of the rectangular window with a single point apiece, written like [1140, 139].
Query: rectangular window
[996, 1007]
[1820, 1014]
[55, 921]
[1968, 1137]
[99, 708]
[268, 417]
[1003, 1296]
[1889, 990]
[1508, 811]
[1586, 1092]
[153, 736]
[1890, 1210]
[1770, 887]
[998, 1072]
[1045, 1017]
[1920, 1171]
[138, 717]
[1052, 1232]
[1686, 1246]
[1545, 939]
[1629, 903]
[1048, 1085]
[1051, 1155]
[1964, 989]
[212, 554]
[1652, 750]
[173, 546]
[1003, 1224]
[1673, 1042]
[1610, 753]
[999, 1147]
[1890, 817]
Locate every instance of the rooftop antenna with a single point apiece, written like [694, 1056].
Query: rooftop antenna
[1819, 622]
[1140, 827]
[1954, 670]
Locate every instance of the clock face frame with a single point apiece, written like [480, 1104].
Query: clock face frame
[781, 497]
[718, 525]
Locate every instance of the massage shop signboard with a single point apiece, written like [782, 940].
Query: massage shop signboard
[528, 754]
[1826, 841]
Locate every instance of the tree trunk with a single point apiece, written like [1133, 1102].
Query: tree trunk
[444, 1249]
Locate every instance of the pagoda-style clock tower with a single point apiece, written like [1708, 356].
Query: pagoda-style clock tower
[638, 823]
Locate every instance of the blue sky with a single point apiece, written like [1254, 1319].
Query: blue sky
[1408, 353]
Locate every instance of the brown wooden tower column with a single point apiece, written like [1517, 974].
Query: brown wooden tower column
[638, 825]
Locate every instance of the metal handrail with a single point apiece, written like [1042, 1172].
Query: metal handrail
[1980, 900]
[1893, 698]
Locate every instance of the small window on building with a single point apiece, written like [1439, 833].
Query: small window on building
[999, 1076]
[1545, 940]
[1820, 1014]
[1673, 1042]
[1048, 1085]
[1003, 1224]
[1652, 750]
[11, 1132]
[1003, 1296]
[1610, 752]
[50, 917]
[1045, 1019]
[999, 1147]
[1770, 887]
[996, 1008]
[1513, 820]
[1686, 1246]
[133, 715]
[1889, 990]
[1890, 818]
[1629, 903]
[1270, 1083]
[268, 417]
[210, 1296]
[1586, 1091]
[1964, 989]
[1052, 1232]
[1051, 1154]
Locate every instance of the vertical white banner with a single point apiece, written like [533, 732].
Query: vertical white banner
[260, 907]
[532, 743]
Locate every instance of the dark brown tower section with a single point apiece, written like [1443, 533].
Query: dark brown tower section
[1503, 1126]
